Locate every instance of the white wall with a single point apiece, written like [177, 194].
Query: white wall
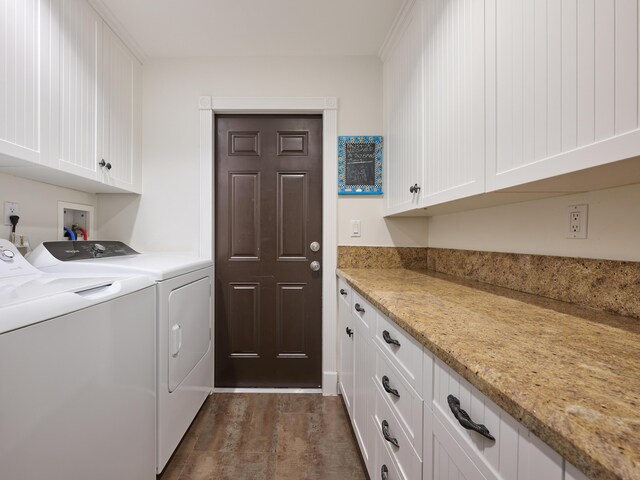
[38, 206]
[539, 227]
[166, 215]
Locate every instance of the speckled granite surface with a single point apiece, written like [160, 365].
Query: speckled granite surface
[382, 257]
[569, 374]
[607, 285]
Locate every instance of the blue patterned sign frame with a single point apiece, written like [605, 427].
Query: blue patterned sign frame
[343, 188]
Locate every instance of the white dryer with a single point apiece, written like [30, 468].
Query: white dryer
[183, 315]
[77, 374]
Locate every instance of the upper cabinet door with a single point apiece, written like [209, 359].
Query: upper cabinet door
[79, 103]
[24, 61]
[454, 93]
[562, 87]
[403, 104]
[121, 115]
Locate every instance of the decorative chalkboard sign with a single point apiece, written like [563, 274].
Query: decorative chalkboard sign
[360, 165]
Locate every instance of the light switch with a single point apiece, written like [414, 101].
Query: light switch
[355, 228]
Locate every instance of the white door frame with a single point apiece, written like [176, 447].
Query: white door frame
[328, 107]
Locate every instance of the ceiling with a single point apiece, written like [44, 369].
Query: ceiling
[203, 28]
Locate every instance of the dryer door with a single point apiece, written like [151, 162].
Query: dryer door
[189, 328]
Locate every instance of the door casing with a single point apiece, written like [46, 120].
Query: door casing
[328, 108]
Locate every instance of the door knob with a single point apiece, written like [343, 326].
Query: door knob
[314, 266]
[315, 246]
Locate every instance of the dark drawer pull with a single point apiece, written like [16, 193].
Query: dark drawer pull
[387, 388]
[349, 332]
[387, 338]
[384, 473]
[464, 419]
[385, 433]
[343, 292]
[358, 308]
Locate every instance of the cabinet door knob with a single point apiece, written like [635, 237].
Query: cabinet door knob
[343, 292]
[358, 308]
[349, 332]
[465, 420]
[104, 164]
[414, 188]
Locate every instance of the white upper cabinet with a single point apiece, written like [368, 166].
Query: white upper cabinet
[562, 87]
[403, 107]
[486, 95]
[79, 104]
[121, 113]
[24, 36]
[453, 58]
[70, 97]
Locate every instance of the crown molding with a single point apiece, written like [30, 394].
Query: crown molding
[107, 15]
[397, 27]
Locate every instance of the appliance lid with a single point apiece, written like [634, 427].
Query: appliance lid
[117, 259]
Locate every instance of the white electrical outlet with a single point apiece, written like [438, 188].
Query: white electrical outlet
[355, 228]
[10, 208]
[577, 218]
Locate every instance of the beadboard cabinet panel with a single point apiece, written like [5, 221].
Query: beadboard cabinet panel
[24, 81]
[453, 58]
[70, 94]
[403, 113]
[562, 87]
[79, 104]
[121, 77]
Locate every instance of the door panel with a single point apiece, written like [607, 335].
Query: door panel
[244, 310]
[244, 215]
[268, 211]
[293, 194]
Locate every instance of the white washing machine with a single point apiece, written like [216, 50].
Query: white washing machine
[183, 315]
[77, 374]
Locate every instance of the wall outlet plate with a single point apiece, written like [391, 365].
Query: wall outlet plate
[577, 219]
[10, 208]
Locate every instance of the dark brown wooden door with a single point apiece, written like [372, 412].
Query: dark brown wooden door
[268, 208]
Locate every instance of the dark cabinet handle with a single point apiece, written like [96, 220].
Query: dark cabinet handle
[387, 436]
[464, 419]
[414, 189]
[343, 292]
[358, 308]
[384, 473]
[387, 388]
[105, 164]
[349, 332]
[387, 338]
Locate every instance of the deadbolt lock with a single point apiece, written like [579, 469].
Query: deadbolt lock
[315, 246]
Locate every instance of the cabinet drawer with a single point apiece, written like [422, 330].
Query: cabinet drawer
[406, 458]
[514, 449]
[363, 311]
[384, 467]
[403, 400]
[449, 459]
[403, 351]
[344, 292]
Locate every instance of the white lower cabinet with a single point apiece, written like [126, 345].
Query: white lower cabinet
[345, 341]
[402, 411]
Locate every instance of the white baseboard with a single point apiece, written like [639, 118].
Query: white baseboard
[267, 390]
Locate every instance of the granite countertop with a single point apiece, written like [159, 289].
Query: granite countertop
[570, 374]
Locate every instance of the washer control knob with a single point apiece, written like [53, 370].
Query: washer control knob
[98, 249]
[7, 255]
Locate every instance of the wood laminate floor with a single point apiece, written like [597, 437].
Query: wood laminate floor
[268, 436]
